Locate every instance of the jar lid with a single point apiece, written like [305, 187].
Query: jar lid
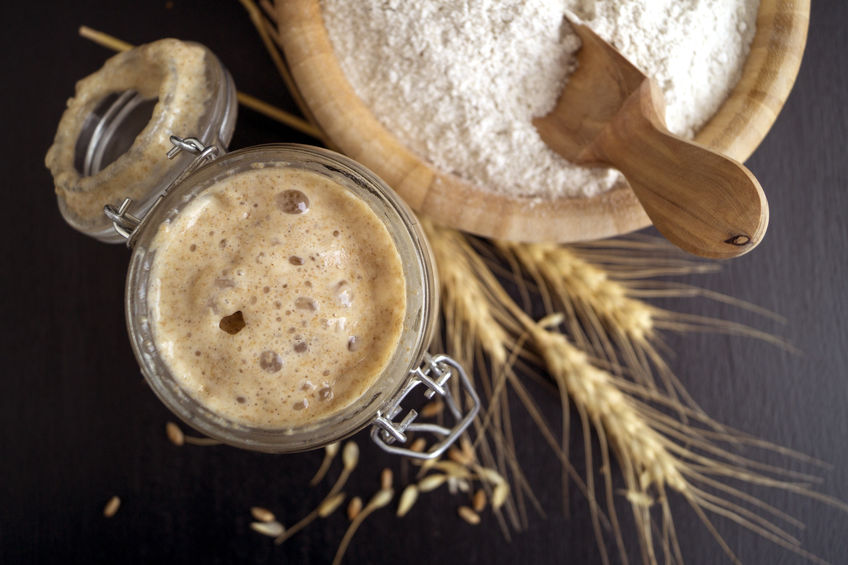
[113, 138]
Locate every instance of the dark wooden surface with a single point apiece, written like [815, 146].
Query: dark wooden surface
[78, 424]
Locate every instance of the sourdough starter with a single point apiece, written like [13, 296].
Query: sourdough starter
[277, 297]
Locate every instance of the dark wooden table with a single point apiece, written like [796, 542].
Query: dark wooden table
[78, 424]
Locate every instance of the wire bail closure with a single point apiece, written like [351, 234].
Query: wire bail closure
[434, 372]
[126, 224]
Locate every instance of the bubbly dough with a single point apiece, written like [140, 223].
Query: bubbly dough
[277, 297]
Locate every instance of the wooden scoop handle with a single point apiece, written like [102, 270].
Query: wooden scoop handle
[700, 200]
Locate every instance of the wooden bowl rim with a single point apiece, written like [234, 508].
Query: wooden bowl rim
[736, 129]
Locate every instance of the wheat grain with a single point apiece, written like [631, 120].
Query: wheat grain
[386, 478]
[330, 452]
[593, 389]
[431, 482]
[453, 469]
[459, 457]
[270, 529]
[499, 495]
[489, 475]
[329, 505]
[418, 445]
[262, 514]
[174, 433]
[350, 455]
[478, 501]
[407, 499]
[354, 507]
[456, 485]
[379, 500]
[432, 409]
[468, 515]
[425, 465]
[350, 458]
[111, 507]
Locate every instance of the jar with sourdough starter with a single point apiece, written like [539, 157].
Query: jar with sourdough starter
[279, 297]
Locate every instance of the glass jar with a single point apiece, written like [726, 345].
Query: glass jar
[112, 137]
[197, 165]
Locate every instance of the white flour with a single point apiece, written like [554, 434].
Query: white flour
[459, 81]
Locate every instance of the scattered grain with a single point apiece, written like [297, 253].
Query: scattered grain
[330, 452]
[330, 505]
[425, 464]
[407, 499]
[111, 507]
[382, 498]
[270, 529]
[489, 475]
[468, 515]
[174, 433]
[386, 479]
[499, 495]
[458, 456]
[431, 482]
[354, 508]
[262, 514]
[418, 445]
[379, 500]
[433, 409]
[453, 469]
[478, 501]
[350, 455]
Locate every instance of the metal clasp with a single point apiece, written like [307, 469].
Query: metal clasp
[434, 373]
[126, 224]
[122, 221]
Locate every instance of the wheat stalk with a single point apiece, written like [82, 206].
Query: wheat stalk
[600, 317]
[651, 463]
[657, 454]
[472, 324]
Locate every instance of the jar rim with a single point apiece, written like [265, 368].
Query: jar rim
[175, 84]
[418, 326]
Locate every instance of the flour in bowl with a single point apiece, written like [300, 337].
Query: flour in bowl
[459, 81]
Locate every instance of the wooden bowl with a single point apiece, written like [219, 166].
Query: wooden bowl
[736, 130]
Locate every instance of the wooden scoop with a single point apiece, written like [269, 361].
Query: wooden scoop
[611, 114]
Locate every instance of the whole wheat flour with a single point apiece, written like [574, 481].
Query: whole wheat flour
[459, 81]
